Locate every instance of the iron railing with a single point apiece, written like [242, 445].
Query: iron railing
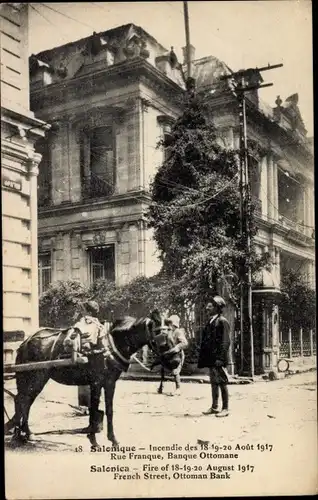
[291, 224]
[97, 186]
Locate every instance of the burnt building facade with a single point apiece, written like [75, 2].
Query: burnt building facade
[109, 98]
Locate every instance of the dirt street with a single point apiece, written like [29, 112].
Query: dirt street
[276, 422]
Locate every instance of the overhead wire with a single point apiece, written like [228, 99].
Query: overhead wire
[43, 16]
[176, 185]
[101, 7]
[277, 210]
[67, 16]
[205, 200]
[64, 37]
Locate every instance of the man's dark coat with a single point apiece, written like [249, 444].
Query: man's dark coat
[215, 344]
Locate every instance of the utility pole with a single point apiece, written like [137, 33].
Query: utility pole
[245, 81]
[187, 34]
[190, 82]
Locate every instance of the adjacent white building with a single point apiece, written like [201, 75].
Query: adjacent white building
[19, 170]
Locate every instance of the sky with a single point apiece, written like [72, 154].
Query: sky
[243, 34]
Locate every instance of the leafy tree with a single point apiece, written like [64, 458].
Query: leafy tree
[195, 208]
[61, 303]
[298, 305]
[136, 298]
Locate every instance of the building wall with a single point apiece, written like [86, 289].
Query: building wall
[135, 252]
[19, 168]
[152, 134]
[14, 55]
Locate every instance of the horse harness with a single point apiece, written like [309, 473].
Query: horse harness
[155, 342]
[109, 350]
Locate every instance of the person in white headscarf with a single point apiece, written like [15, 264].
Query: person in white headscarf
[172, 359]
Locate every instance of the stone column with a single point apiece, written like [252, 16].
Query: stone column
[312, 205]
[59, 257]
[142, 141]
[270, 187]
[141, 247]
[60, 165]
[275, 338]
[67, 256]
[277, 267]
[275, 190]
[74, 144]
[134, 160]
[311, 273]
[309, 209]
[133, 251]
[33, 173]
[264, 187]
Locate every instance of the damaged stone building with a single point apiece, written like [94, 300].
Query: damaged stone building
[109, 98]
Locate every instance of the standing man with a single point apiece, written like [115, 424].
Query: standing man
[214, 354]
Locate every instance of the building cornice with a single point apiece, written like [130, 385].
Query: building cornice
[80, 227]
[137, 69]
[129, 198]
[293, 235]
[23, 122]
[289, 234]
[284, 139]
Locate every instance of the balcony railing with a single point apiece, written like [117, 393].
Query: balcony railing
[97, 186]
[291, 224]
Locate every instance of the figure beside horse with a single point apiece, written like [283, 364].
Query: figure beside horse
[170, 346]
[101, 370]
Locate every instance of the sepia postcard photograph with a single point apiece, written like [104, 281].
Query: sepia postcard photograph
[158, 249]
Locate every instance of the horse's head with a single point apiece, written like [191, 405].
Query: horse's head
[132, 334]
[158, 328]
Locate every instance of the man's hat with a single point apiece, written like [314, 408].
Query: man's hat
[174, 320]
[91, 307]
[219, 301]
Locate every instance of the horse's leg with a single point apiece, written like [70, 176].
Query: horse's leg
[93, 413]
[29, 386]
[161, 380]
[12, 422]
[109, 388]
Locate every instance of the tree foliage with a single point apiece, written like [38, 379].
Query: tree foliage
[136, 298]
[195, 209]
[61, 303]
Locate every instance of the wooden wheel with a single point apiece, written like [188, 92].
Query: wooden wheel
[283, 365]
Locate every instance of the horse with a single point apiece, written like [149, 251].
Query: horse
[102, 370]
